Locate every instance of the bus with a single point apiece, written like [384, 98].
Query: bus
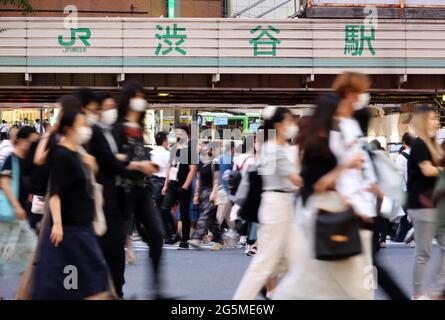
[219, 122]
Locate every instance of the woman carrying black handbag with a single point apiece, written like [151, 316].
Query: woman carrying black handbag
[333, 252]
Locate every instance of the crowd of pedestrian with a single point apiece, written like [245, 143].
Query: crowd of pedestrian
[309, 199]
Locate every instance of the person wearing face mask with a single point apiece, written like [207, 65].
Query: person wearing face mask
[135, 188]
[359, 186]
[112, 166]
[177, 188]
[90, 104]
[70, 239]
[276, 212]
[424, 166]
[309, 277]
[205, 192]
[347, 142]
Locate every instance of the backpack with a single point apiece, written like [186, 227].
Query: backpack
[248, 195]
[390, 182]
[235, 177]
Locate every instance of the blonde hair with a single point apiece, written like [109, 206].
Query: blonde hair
[351, 82]
[420, 123]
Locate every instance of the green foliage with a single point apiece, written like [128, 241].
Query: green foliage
[22, 4]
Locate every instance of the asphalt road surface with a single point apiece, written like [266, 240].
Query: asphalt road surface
[211, 275]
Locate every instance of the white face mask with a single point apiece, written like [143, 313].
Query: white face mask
[92, 119]
[83, 135]
[109, 117]
[363, 101]
[138, 104]
[291, 132]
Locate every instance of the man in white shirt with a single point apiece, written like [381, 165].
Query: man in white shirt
[160, 156]
[7, 146]
[38, 126]
[4, 128]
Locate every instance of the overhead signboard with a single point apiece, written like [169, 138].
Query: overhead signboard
[210, 46]
[413, 3]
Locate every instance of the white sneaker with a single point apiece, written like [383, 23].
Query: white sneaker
[229, 238]
[412, 244]
[242, 240]
[252, 251]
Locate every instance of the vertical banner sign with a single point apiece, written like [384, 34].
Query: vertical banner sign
[171, 8]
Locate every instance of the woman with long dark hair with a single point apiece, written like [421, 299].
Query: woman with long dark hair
[104, 148]
[310, 278]
[276, 212]
[69, 245]
[135, 184]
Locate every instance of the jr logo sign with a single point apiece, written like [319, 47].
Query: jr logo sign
[82, 33]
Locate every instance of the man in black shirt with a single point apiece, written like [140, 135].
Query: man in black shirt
[177, 187]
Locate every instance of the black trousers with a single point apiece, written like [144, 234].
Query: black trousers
[158, 184]
[112, 244]
[176, 194]
[140, 202]
[384, 279]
